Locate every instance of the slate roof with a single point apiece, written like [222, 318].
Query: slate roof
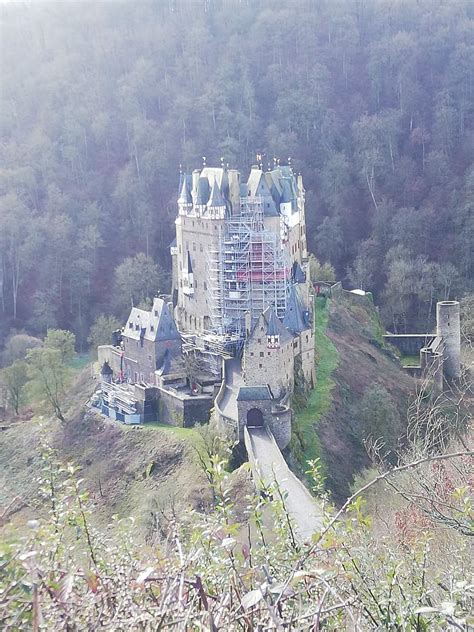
[185, 190]
[272, 323]
[154, 325]
[250, 393]
[272, 327]
[106, 369]
[216, 199]
[257, 186]
[297, 273]
[203, 191]
[296, 317]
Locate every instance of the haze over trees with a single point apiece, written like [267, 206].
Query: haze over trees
[101, 103]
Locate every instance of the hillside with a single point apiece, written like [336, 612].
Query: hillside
[143, 471]
[350, 360]
[128, 471]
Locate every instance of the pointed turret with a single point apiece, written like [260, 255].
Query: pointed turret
[185, 200]
[296, 317]
[273, 328]
[216, 204]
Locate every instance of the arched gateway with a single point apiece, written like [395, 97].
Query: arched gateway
[254, 418]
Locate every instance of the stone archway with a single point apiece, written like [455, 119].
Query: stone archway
[255, 418]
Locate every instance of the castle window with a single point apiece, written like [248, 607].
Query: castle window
[156, 312]
[205, 285]
[152, 328]
[306, 337]
[259, 341]
[261, 354]
[251, 353]
[260, 366]
[194, 246]
[201, 247]
[273, 341]
[137, 327]
[130, 325]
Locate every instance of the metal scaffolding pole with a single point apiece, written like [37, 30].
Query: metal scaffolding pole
[247, 271]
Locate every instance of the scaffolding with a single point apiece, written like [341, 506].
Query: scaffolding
[247, 271]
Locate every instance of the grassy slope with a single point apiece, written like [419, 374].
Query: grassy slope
[305, 445]
[128, 471]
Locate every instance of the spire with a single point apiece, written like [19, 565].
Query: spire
[272, 322]
[295, 319]
[185, 193]
[216, 199]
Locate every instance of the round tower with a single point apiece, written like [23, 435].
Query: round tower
[449, 328]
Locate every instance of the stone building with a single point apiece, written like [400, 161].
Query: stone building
[150, 339]
[240, 328]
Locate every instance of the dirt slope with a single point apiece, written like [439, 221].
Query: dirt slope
[350, 358]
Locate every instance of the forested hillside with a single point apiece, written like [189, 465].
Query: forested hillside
[101, 103]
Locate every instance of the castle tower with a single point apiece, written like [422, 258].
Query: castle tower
[449, 328]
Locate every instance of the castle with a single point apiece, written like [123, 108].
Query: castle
[238, 327]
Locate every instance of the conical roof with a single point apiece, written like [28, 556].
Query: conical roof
[185, 193]
[273, 328]
[295, 320]
[216, 199]
[106, 369]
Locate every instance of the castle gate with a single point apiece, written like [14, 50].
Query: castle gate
[255, 418]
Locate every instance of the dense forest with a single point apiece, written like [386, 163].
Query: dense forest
[102, 102]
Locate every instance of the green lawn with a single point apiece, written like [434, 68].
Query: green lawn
[306, 445]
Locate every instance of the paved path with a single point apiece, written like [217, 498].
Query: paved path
[228, 404]
[269, 465]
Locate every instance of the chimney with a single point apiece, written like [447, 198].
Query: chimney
[234, 190]
[300, 183]
[196, 176]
